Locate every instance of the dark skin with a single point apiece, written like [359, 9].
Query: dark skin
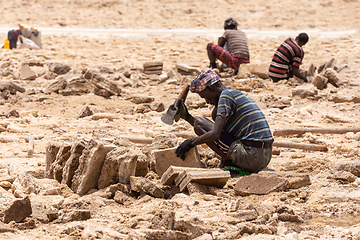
[296, 70]
[207, 130]
[221, 43]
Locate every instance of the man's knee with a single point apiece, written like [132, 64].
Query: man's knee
[200, 125]
[209, 46]
[201, 121]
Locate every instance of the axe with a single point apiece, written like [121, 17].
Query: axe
[173, 109]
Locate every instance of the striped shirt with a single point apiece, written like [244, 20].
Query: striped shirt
[244, 118]
[236, 42]
[287, 55]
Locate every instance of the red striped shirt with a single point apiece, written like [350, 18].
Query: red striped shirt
[288, 54]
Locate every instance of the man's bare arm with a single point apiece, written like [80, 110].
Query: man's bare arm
[213, 134]
[297, 73]
[221, 41]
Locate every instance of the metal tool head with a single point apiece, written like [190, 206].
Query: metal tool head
[174, 108]
[170, 114]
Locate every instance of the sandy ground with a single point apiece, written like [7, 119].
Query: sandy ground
[330, 207]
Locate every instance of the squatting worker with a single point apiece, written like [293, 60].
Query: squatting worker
[240, 134]
[288, 58]
[237, 45]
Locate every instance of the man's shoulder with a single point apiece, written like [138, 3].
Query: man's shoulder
[231, 92]
[227, 89]
[233, 32]
[293, 43]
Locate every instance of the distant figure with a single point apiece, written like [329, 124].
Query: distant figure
[237, 51]
[288, 58]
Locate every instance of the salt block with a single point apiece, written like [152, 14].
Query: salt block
[90, 164]
[52, 150]
[183, 174]
[217, 178]
[72, 163]
[296, 180]
[127, 168]
[333, 77]
[320, 81]
[174, 73]
[153, 68]
[259, 185]
[166, 157]
[187, 69]
[168, 178]
[155, 72]
[152, 64]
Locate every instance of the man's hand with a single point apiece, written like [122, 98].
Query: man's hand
[183, 148]
[183, 112]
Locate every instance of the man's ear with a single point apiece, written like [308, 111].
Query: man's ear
[211, 88]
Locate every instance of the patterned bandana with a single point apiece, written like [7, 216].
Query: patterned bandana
[206, 78]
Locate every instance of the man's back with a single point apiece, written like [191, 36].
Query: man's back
[237, 42]
[245, 119]
[287, 55]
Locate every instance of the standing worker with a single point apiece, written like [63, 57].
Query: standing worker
[288, 58]
[239, 132]
[237, 51]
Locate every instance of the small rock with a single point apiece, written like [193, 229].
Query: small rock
[142, 99]
[26, 73]
[6, 228]
[188, 226]
[352, 167]
[141, 184]
[166, 235]
[85, 111]
[18, 210]
[5, 184]
[39, 212]
[247, 215]
[158, 107]
[27, 223]
[98, 116]
[251, 228]
[194, 187]
[305, 91]
[344, 177]
[123, 199]
[234, 206]
[14, 113]
[286, 217]
[59, 68]
[163, 219]
[76, 215]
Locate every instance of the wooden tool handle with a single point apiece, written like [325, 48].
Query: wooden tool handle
[291, 131]
[184, 92]
[305, 146]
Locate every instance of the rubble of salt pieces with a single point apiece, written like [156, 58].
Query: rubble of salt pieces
[88, 175]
